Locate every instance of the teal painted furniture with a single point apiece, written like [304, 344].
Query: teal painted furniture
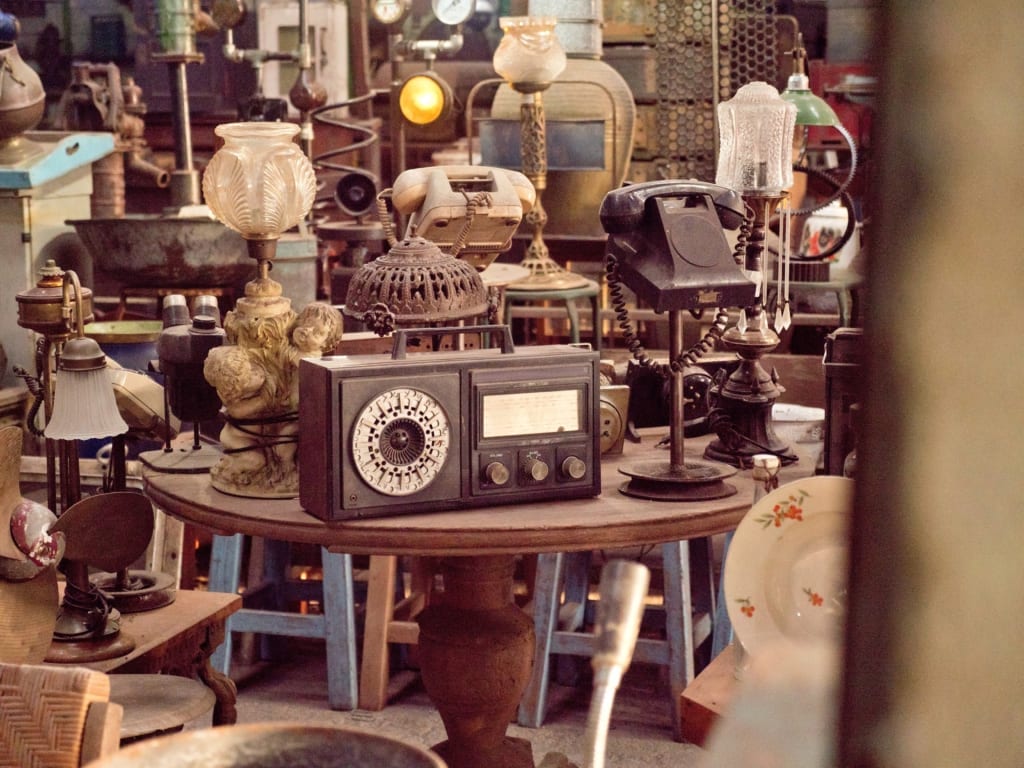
[335, 624]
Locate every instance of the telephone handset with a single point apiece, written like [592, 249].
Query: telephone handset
[472, 210]
[669, 241]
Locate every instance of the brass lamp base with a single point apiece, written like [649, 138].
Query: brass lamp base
[692, 481]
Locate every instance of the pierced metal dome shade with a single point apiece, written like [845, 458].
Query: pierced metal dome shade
[418, 284]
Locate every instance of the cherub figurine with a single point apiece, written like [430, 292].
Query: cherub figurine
[256, 377]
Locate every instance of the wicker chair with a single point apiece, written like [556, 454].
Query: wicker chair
[55, 717]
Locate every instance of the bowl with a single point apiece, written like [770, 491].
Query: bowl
[273, 745]
[154, 251]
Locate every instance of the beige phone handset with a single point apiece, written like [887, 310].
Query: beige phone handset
[471, 211]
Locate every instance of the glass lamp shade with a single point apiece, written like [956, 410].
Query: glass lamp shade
[260, 183]
[84, 406]
[756, 140]
[529, 51]
[811, 109]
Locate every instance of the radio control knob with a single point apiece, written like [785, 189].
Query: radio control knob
[535, 469]
[574, 467]
[496, 473]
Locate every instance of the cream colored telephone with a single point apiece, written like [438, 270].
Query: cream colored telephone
[471, 211]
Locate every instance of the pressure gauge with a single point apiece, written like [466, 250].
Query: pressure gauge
[390, 11]
[453, 12]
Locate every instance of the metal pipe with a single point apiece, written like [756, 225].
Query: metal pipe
[677, 398]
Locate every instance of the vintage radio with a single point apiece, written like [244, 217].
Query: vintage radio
[429, 431]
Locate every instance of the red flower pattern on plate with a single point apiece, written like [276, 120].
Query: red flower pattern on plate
[790, 508]
[746, 607]
[815, 599]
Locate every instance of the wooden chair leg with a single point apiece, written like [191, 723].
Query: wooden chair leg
[339, 629]
[550, 568]
[388, 621]
[380, 606]
[225, 568]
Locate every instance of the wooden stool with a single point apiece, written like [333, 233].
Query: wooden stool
[335, 624]
[591, 290]
[158, 704]
[689, 606]
[389, 621]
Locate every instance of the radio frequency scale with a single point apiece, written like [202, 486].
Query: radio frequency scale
[383, 435]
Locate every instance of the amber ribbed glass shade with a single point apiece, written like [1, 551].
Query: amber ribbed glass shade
[756, 140]
[260, 183]
[529, 52]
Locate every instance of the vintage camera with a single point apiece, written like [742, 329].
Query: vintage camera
[429, 431]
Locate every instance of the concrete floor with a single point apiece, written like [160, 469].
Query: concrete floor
[294, 689]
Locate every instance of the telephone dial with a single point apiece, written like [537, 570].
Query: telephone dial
[669, 242]
[471, 211]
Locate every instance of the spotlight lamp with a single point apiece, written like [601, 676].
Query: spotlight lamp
[425, 98]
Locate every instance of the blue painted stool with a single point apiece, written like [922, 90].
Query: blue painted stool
[591, 290]
[689, 604]
[335, 624]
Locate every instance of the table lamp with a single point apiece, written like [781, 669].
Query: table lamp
[530, 57]
[260, 184]
[813, 111]
[755, 158]
[84, 408]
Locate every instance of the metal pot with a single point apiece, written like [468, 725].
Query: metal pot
[154, 251]
[272, 745]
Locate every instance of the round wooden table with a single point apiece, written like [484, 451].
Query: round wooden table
[476, 646]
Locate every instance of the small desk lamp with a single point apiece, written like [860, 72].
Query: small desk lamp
[814, 111]
[755, 158]
[84, 407]
[530, 57]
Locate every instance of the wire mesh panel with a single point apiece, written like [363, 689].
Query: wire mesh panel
[704, 52]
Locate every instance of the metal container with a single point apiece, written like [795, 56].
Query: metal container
[153, 251]
[265, 745]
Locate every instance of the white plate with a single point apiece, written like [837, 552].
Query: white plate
[785, 573]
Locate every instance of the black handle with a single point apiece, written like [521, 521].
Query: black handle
[402, 334]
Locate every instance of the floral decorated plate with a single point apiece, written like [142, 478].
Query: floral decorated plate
[785, 573]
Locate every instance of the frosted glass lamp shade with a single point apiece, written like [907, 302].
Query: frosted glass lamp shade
[84, 406]
[756, 140]
[260, 183]
[529, 51]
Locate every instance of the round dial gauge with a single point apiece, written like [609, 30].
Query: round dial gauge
[400, 441]
[612, 425]
[453, 12]
[390, 11]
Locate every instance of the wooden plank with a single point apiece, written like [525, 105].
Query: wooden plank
[707, 698]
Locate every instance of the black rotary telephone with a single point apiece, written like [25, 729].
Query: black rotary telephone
[667, 243]
[669, 240]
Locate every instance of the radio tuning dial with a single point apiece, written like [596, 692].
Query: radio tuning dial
[535, 469]
[574, 467]
[496, 473]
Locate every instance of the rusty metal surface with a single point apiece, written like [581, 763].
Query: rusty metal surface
[151, 251]
[275, 745]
